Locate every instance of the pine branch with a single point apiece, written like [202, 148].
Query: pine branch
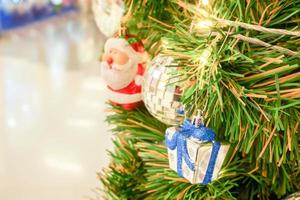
[247, 87]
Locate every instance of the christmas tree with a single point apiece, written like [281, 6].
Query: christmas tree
[238, 61]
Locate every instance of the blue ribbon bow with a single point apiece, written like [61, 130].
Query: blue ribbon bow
[201, 133]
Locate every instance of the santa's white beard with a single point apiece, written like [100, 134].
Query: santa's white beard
[118, 76]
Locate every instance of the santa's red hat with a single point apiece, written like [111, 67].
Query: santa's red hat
[130, 45]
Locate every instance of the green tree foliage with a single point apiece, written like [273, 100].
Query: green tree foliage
[248, 86]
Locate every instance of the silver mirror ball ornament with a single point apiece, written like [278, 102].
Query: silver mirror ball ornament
[161, 90]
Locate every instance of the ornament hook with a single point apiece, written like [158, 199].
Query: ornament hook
[198, 119]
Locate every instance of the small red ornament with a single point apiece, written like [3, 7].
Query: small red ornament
[122, 68]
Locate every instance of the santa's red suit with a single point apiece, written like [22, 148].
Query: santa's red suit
[130, 96]
[124, 81]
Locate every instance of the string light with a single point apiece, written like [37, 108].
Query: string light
[204, 57]
[205, 2]
[205, 24]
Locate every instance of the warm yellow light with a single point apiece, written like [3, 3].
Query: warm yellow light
[204, 57]
[205, 2]
[204, 24]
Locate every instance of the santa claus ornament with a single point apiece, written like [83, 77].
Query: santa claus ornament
[122, 69]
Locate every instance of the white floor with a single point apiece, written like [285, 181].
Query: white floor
[53, 138]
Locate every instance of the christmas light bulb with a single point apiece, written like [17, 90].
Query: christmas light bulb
[205, 2]
[205, 24]
[203, 59]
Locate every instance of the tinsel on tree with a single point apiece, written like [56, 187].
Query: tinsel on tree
[247, 86]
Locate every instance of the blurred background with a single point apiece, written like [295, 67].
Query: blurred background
[53, 137]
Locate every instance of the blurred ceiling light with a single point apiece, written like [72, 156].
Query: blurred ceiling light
[57, 2]
[11, 123]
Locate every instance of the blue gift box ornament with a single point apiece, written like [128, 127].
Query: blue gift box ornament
[198, 131]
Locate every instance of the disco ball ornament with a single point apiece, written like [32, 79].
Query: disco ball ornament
[162, 92]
